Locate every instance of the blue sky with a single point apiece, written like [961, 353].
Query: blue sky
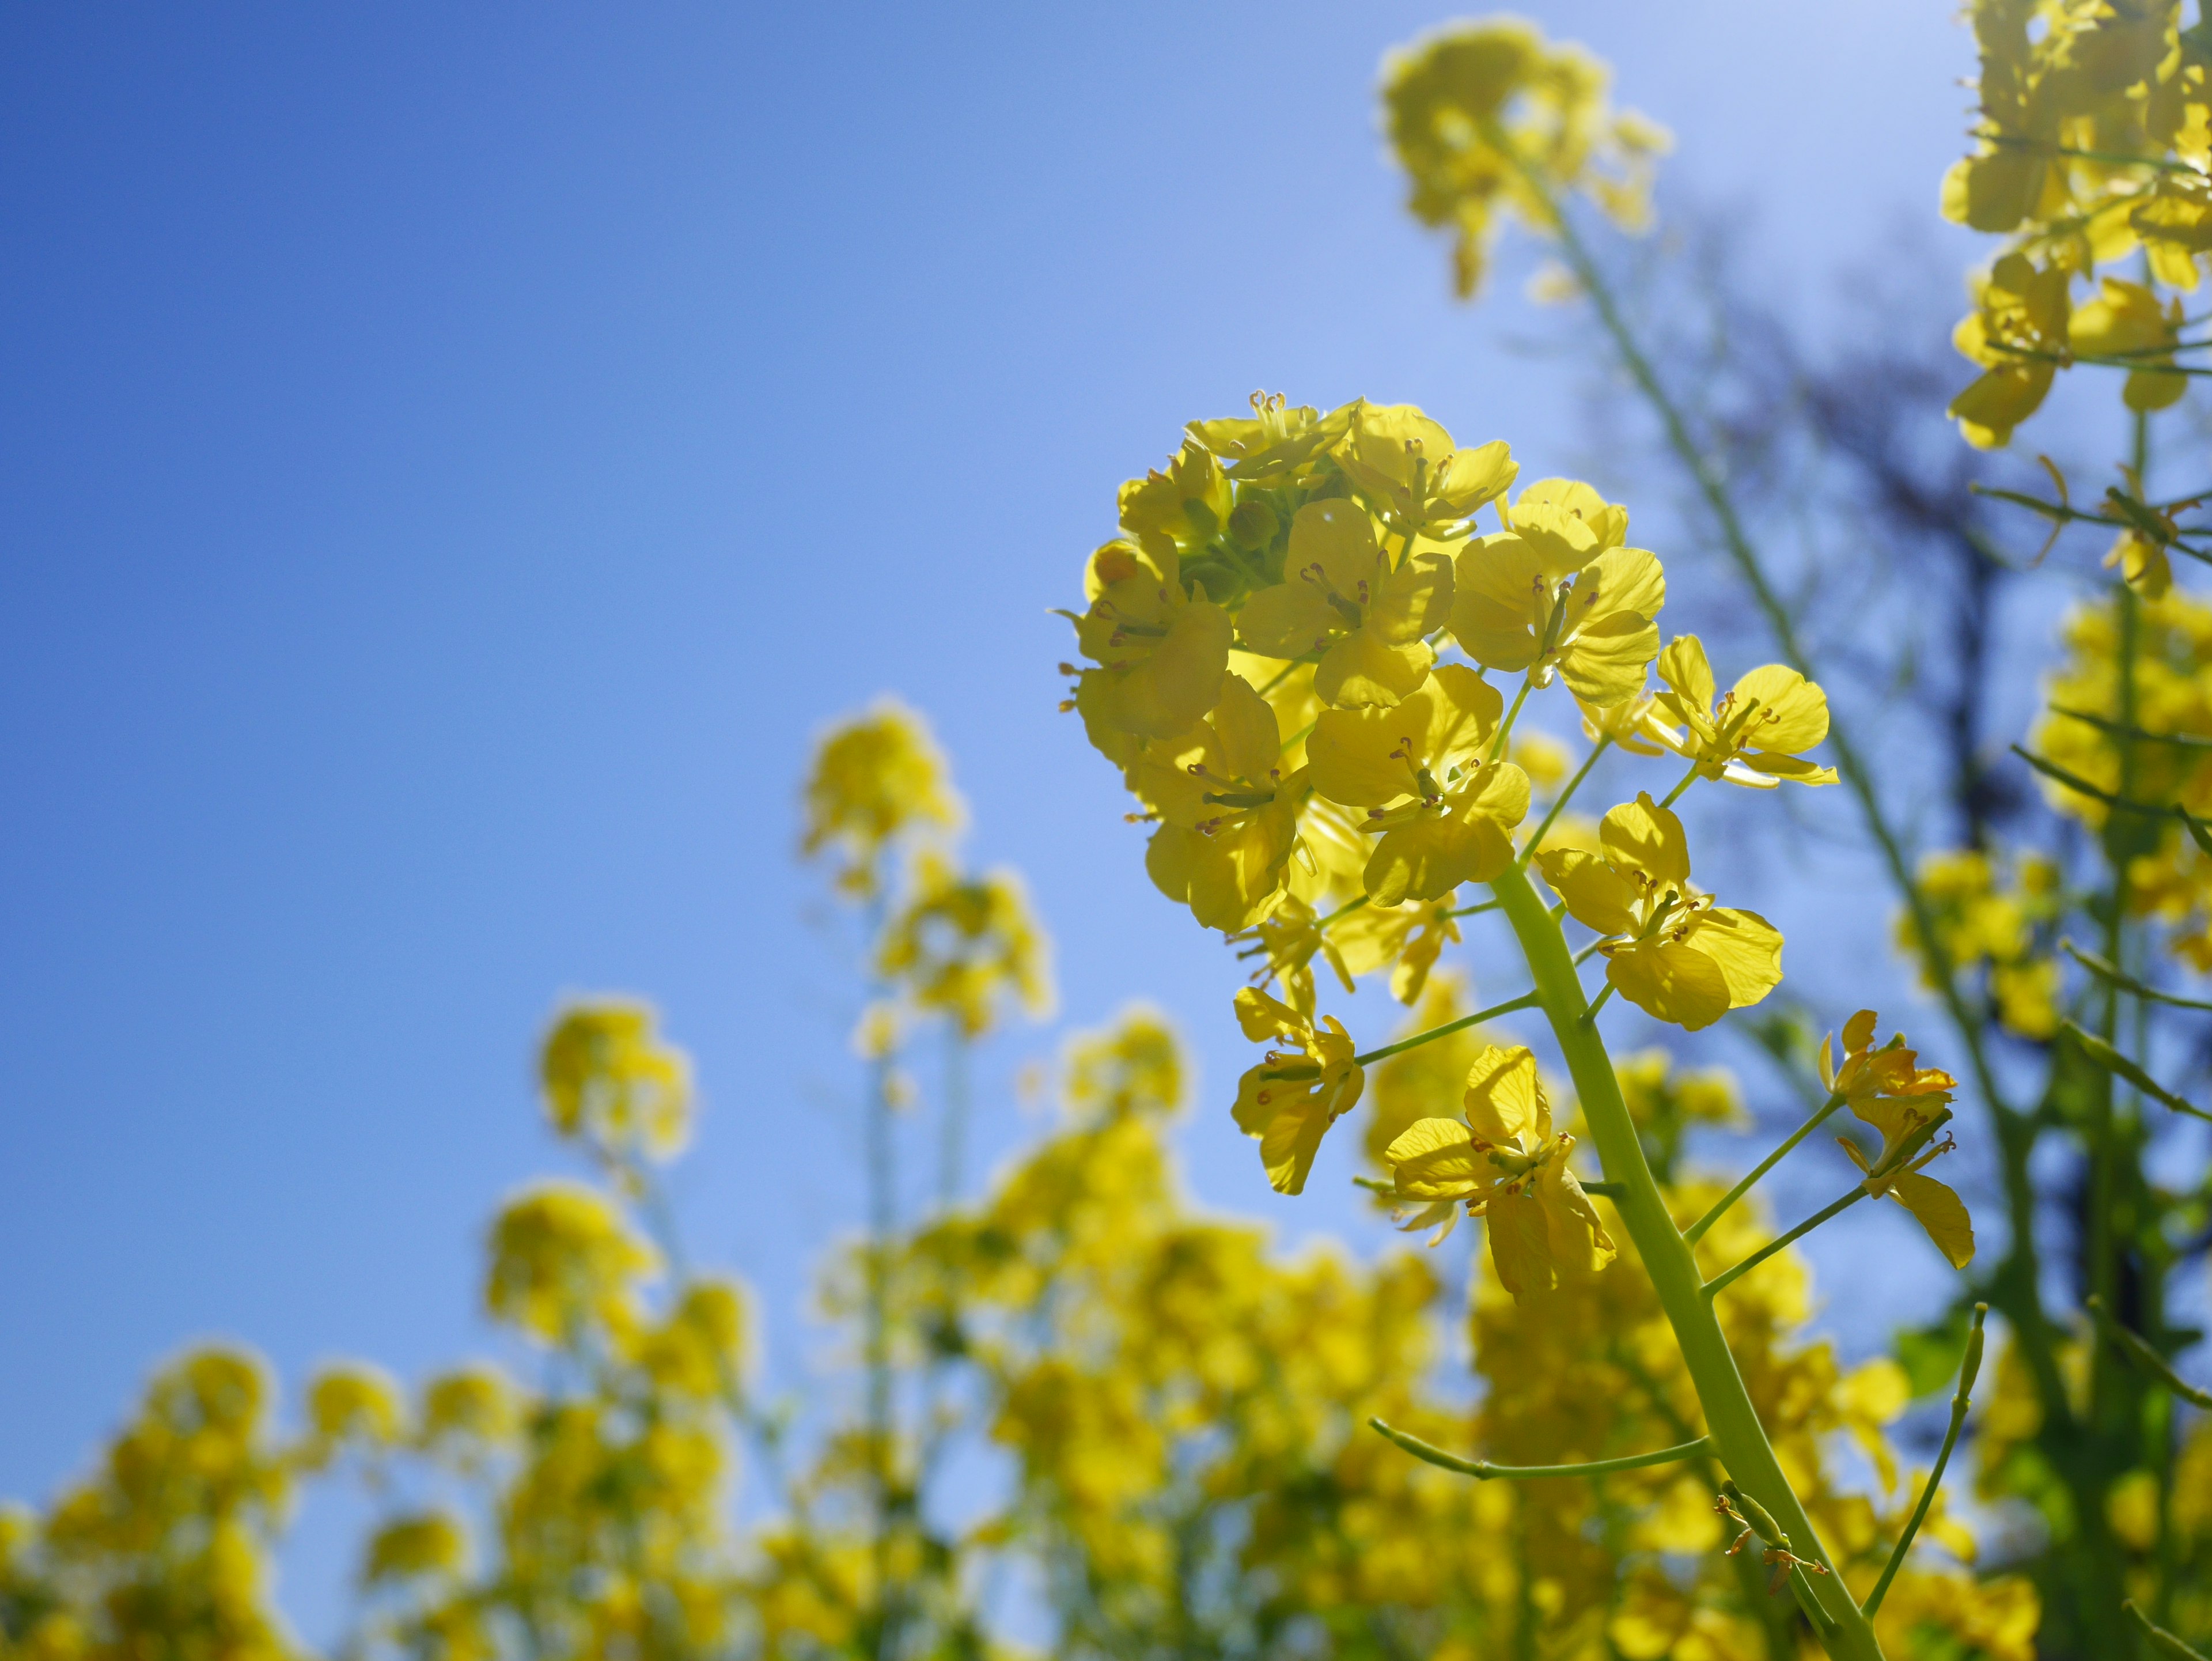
[455, 459]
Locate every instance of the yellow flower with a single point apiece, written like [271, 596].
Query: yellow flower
[1444, 815]
[2017, 331]
[1229, 817]
[1410, 938]
[961, 945]
[1177, 512]
[353, 1403]
[1488, 117]
[1671, 951]
[1506, 1164]
[1407, 464]
[1558, 594]
[1289, 1101]
[411, 1547]
[2125, 319]
[876, 778]
[1342, 602]
[1908, 1104]
[564, 1263]
[1163, 652]
[1866, 1073]
[1275, 440]
[1753, 735]
[610, 1079]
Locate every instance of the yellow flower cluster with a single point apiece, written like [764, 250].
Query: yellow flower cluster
[1992, 916]
[2093, 143]
[1490, 118]
[1266, 643]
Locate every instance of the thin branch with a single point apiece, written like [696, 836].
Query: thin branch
[2104, 971]
[2131, 1344]
[2158, 1637]
[1729, 1275]
[1483, 1471]
[2098, 1050]
[1696, 1231]
[1525, 1000]
[1968, 1366]
[2121, 729]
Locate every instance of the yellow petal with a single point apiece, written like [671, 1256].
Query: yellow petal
[1597, 896]
[1604, 664]
[1414, 600]
[1499, 603]
[1429, 858]
[1520, 1244]
[1288, 620]
[1505, 1100]
[1793, 711]
[1435, 1159]
[1262, 1017]
[1747, 948]
[1941, 1211]
[1578, 1238]
[1250, 744]
[1684, 667]
[1364, 671]
[1642, 836]
[1292, 1139]
[1672, 981]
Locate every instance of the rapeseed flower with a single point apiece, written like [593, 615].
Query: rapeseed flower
[1506, 1164]
[1754, 733]
[1668, 949]
[1342, 602]
[1289, 1100]
[1557, 594]
[1444, 815]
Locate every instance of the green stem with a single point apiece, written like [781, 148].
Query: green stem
[2132, 1346]
[1696, 1232]
[1721, 1281]
[1968, 1366]
[2157, 1637]
[2128, 983]
[1512, 714]
[1525, 1000]
[1483, 1471]
[1733, 1425]
[1559, 803]
[1474, 911]
[1681, 785]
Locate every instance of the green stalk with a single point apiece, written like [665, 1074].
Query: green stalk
[1483, 1471]
[1961, 1400]
[1727, 1277]
[1565, 796]
[1696, 1232]
[2018, 1283]
[1732, 1421]
[1367, 1058]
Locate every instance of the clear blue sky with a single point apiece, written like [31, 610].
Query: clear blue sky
[455, 458]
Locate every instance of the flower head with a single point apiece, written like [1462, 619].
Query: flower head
[1557, 594]
[1443, 814]
[1507, 1163]
[1289, 1100]
[1343, 602]
[1908, 1104]
[1754, 732]
[1671, 951]
[1408, 466]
